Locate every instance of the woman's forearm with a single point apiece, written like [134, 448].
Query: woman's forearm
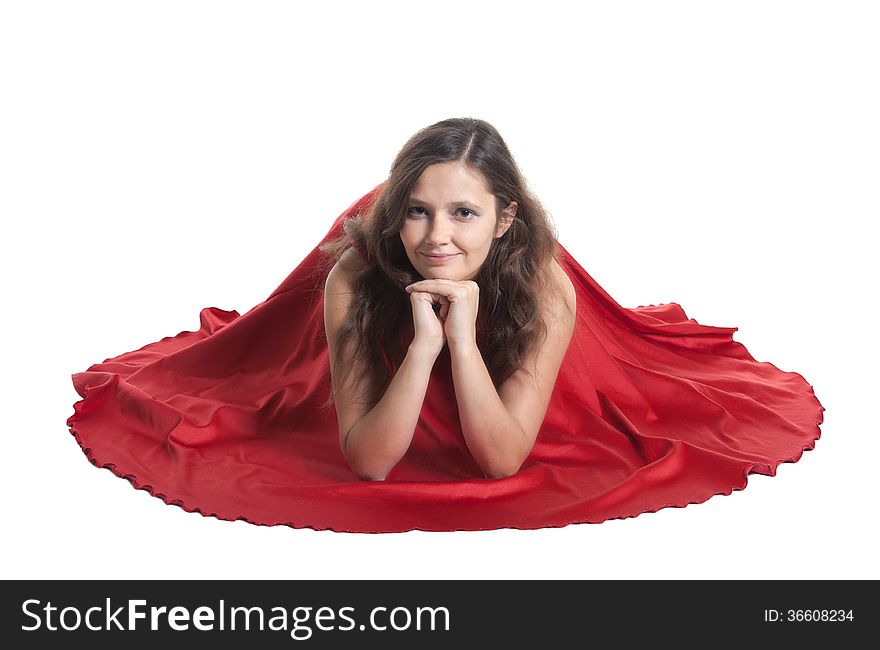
[494, 438]
[379, 440]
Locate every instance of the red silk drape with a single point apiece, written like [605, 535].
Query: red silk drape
[651, 409]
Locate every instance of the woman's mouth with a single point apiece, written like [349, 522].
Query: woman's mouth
[439, 259]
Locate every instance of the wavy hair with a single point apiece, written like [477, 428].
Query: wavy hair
[514, 276]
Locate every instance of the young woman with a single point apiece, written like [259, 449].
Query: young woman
[442, 345]
[456, 251]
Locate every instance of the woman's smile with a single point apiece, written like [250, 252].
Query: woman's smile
[439, 258]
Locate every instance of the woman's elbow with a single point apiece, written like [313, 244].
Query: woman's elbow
[359, 463]
[502, 471]
[371, 477]
[367, 473]
[507, 462]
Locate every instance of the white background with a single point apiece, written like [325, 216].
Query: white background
[161, 157]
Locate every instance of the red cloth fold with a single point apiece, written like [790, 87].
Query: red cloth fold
[650, 409]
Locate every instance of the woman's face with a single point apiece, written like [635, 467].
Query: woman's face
[451, 222]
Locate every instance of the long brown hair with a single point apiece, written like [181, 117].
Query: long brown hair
[512, 279]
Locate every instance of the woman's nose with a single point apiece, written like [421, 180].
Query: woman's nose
[438, 232]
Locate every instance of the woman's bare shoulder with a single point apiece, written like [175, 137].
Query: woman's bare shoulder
[563, 288]
[346, 269]
[353, 260]
[339, 291]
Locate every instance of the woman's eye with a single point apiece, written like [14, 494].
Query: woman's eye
[466, 213]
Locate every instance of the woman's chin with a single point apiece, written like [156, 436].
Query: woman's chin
[443, 272]
[441, 275]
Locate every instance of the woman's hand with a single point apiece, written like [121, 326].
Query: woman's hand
[459, 302]
[427, 325]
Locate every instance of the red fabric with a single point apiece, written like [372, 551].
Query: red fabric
[651, 409]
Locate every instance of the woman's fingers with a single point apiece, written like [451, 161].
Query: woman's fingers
[427, 325]
[443, 303]
[430, 300]
[433, 298]
[458, 322]
[449, 288]
[435, 289]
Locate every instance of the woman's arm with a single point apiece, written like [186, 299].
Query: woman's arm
[495, 439]
[379, 439]
[500, 427]
[373, 440]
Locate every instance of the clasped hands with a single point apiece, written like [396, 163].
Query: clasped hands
[455, 322]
